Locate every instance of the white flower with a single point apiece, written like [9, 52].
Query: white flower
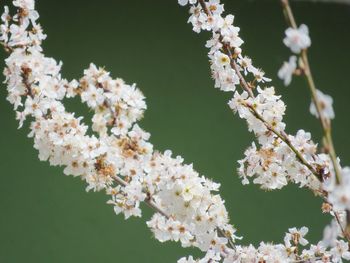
[215, 7]
[93, 96]
[326, 104]
[25, 4]
[259, 75]
[187, 260]
[296, 236]
[185, 2]
[287, 70]
[341, 250]
[221, 59]
[227, 24]
[4, 27]
[297, 39]
[246, 64]
[331, 233]
[274, 178]
[339, 194]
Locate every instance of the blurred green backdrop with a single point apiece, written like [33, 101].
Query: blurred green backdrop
[47, 217]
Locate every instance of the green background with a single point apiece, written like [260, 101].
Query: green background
[48, 217]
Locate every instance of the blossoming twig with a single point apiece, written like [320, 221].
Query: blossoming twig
[248, 89]
[325, 122]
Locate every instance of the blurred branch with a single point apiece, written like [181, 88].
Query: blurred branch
[325, 123]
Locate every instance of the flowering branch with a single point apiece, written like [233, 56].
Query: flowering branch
[244, 84]
[117, 158]
[325, 122]
[320, 106]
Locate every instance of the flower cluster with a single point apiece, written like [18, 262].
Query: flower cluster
[278, 158]
[287, 252]
[273, 165]
[113, 155]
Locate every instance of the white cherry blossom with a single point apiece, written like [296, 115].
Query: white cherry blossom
[297, 39]
[287, 70]
[326, 103]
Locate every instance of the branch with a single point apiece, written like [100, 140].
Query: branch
[247, 88]
[326, 124]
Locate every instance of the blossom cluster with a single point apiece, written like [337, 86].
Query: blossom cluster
[275, 165]
[263, 111]
[280, 157]
[114, 154]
